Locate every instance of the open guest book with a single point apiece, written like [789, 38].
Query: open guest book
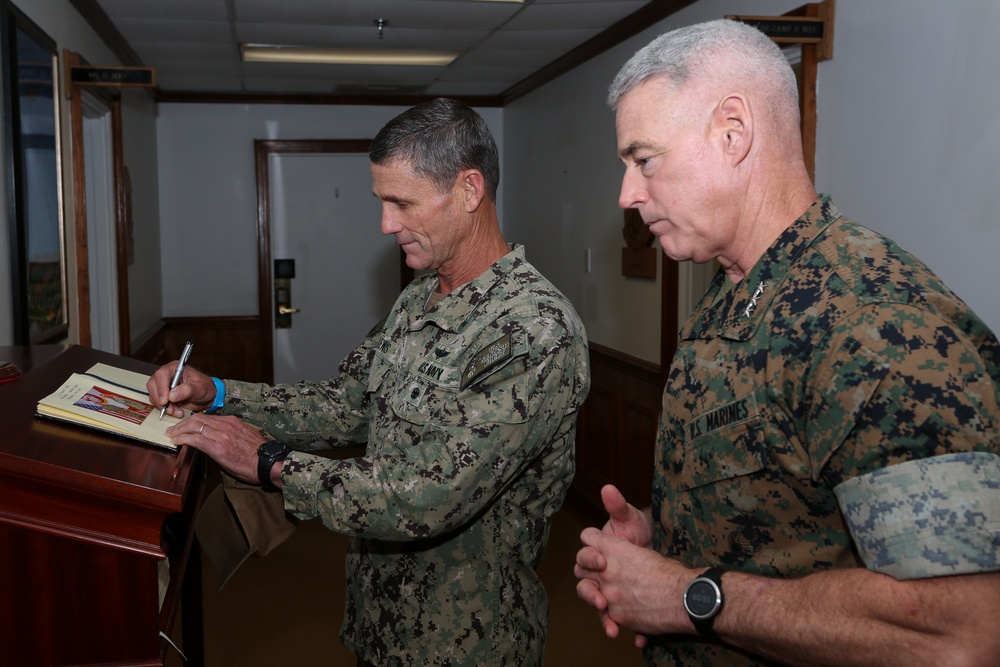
[109, 399]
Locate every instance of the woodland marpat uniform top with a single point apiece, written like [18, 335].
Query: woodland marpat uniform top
[836, 408]
[469, 415]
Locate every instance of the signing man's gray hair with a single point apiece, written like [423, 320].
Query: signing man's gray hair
[439, 139]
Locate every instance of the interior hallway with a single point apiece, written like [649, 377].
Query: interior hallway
[286, 608]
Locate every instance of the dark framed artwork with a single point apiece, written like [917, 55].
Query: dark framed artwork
[34, 184]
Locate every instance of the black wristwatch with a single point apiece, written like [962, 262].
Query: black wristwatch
[703, 600]
[267, 454]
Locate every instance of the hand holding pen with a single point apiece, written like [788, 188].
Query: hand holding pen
[177, 373]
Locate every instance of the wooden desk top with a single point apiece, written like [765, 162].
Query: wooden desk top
[46, 466]
[28, 356]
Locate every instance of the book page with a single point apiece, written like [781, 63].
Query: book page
[109, 399]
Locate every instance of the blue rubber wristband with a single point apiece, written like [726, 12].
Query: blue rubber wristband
[220, 396]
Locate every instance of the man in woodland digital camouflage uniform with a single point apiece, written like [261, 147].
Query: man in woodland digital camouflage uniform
[827, 487]
[466, 395]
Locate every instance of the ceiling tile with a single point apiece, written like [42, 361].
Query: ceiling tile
[194, 44]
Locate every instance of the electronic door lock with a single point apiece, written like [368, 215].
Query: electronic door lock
[284, 271]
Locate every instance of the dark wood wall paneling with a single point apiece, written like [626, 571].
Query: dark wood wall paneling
[616, 432]
[226, 347]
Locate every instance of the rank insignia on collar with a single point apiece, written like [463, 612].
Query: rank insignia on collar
[753, 300]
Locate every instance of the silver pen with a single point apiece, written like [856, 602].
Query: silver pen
[177, 373]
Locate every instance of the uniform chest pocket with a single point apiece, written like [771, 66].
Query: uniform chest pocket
[724, 503]
[744, 508]
[498, 396]
[725, 454]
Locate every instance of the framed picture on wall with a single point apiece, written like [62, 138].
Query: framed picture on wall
[34, 183]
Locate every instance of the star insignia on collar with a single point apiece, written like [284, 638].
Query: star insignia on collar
[753, 300]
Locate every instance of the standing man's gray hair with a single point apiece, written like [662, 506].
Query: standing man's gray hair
[684, 55]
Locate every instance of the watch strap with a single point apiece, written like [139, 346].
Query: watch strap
[267, 455]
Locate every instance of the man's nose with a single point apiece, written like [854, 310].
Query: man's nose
[632, 193]
[389, 225]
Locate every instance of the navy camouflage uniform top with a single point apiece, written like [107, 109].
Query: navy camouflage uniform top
[469, 415]
[836, 408]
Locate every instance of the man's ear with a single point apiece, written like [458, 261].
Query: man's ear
[733, 119]
[473, 186]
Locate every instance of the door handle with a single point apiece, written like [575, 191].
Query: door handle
[285, 310]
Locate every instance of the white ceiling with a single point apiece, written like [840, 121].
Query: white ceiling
[195, 44]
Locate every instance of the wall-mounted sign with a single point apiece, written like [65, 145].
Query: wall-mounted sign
[112, 76]
[786, 29]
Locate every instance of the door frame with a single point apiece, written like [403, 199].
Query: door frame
[263, 150]
[111, 99]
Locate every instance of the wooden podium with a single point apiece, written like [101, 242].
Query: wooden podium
[86, 519]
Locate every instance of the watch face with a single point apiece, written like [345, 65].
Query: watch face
[702, 598]
[271, 448]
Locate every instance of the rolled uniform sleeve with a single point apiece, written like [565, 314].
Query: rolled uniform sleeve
[906, 434]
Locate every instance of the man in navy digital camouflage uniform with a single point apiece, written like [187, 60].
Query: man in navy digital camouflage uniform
[466, 396]
[827, 486]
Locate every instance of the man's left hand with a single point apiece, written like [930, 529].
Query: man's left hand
[228, 440]
[632, 586]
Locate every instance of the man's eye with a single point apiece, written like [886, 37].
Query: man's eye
[648, 162]
[645, 163]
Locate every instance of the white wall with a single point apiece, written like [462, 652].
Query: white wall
[908, 123]
[909, 134]
[139, 154]
[563, 176]
[208, 212]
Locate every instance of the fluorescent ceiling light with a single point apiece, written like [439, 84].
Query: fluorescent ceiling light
[333, 56]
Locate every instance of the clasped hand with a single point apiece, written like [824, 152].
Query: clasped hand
[625, 580]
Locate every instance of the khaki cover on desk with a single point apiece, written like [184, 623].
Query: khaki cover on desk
[240, 520]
